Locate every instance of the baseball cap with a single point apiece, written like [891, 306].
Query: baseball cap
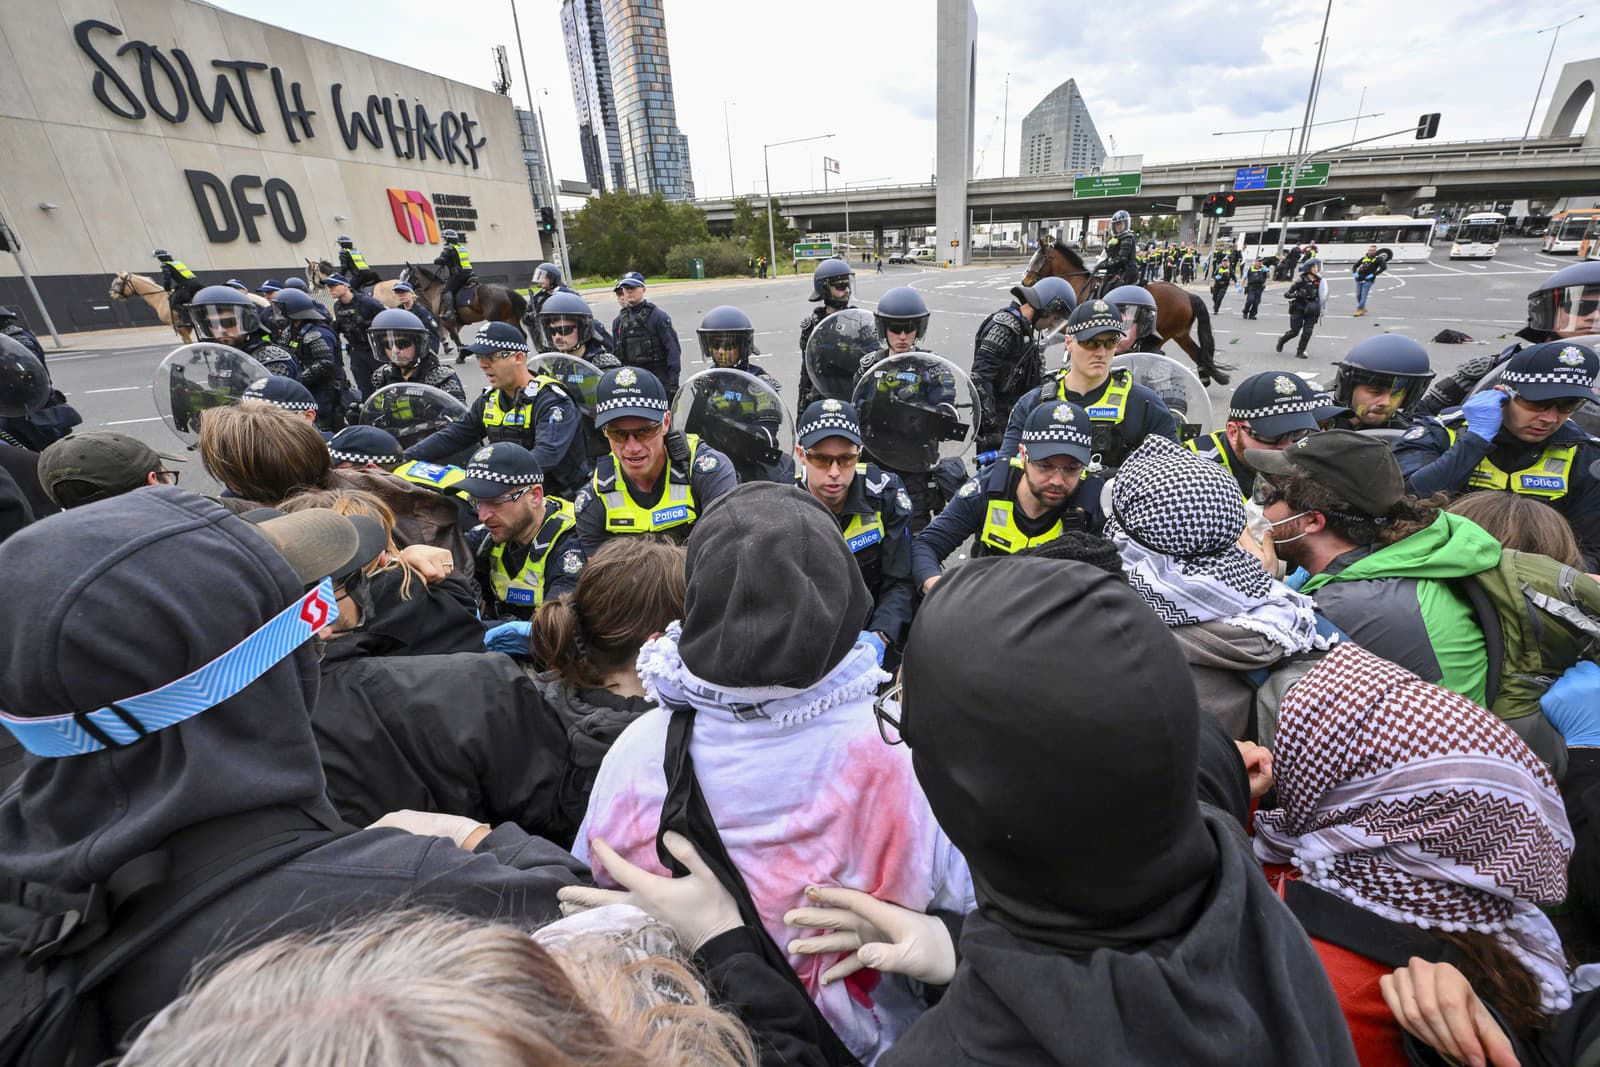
[1060, 428]
[403, 287]
[1094, 317]
[1275, 402]
[335, 279]
[364, 444]
[270, 286]
[497, 339]
[626, 392]
[319, 542]
[499, 468]
[1554, 370]
[97, 464]
[828, 418]
[632, 280]
[281, 392]
[1329, 408]
[235, 283]
[1356, 467]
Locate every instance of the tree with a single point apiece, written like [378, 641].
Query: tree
[620, 231]
[750, 226]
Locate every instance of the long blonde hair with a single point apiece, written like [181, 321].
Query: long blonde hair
[423, 990]
[360, 502]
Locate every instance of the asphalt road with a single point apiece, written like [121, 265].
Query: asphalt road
[107, 377]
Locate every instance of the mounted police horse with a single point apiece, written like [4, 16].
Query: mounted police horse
[1177, 309]
[491, 302]
[317, 271]
[127, 284]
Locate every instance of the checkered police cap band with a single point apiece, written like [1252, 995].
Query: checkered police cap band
[1577, 376]
[830, 420]
[1289, 405]
[521, 478]
[363, 457]
[1095, 322]
[652, 403]
[1065, 433]
[504, 346]
[291, 405]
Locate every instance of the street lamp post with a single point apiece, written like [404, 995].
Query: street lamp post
[733, 190]
[766, 166]
[549, 170]
[1540, 91]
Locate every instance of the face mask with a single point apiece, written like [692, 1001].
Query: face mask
[1280, 522]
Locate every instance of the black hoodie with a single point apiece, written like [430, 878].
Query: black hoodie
[122, 596]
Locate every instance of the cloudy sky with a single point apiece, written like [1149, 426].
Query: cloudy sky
[1159, 78]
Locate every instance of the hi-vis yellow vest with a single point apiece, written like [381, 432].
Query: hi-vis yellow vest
[1548, 477]
[526, 587]
[674, 507]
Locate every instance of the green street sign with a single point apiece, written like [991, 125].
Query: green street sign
[1105, 185]
[1311, 176]
[813, 250]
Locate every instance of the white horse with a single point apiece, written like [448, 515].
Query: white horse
[317, 271]
[126, 284]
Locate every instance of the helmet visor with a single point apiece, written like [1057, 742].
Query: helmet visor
[838, 288]
[1139, 320]
[404, 347]
[1573, 310]
[224, 322]
[564, 332]
[726, 348]
[1403, 391]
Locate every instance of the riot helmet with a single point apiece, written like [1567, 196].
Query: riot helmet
[1051, 299]
[221, 313]
[162, 254]
[1388, 363]
[24, 383]
[297, 305]
[1566, 305]
[1121, 223]
[831, 278]
[398, 336]
[547, 272]
[451, 237]
[565, 323]
[345, 243]
[901, 308]
[7, 314]
[727, 337]
[1138, 309]
[296, 282]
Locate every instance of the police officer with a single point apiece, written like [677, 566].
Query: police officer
[1517, 438]
[534, 412]
[272, 319]
[1567, 304]
[316, 350]
[870, 506]
[902, 320]
[1120, 410]
[1007, 362]
[36, 413]
[359, 447]
[565, 324]
[1118, 262]
[644, 335]
[401, 341]
[285, 393]
[179, 280]
[1305, 307]
[1221, 278]
[1366, 272]
[727, 340]
[353, 313]
[407, 296]
[353, 266]
[1382, 380]
[458, 271]
[1138, 309]
[1034, 497]
[655, 479]
[525, 549]
[832, 286]
[1270, 410]
[1255, 283]
[19, 333]
[223, 314]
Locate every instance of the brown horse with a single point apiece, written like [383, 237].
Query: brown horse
[1177, 309]
[491, 302]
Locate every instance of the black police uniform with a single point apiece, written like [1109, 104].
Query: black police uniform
[1006, 364]
[875, 523]
[1255, 283]
[316, 349]
[427, 370]
[1449, 391]
[929, 491]
[541, 418]
[968, 515]
[555, 553]
[708, 473]
[435, 334]
[354, 267]
[807, 394]
[1122, 411]
[278, 359]
[179, 280]
[1221, 278]
[1305, 307]
[352, 321]
[764, 463]
[1122, 267]
[645, 339]
[458, 276]
[19, 333]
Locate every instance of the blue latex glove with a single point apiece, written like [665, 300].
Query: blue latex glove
[1297, 577]
[509, 637]
[869, 638]
[1485, 411]
[1573, 704]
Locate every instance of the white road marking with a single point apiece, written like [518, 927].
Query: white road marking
[118, 389]
[130, 422]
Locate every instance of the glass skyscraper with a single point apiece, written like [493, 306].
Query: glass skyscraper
[655, 154]
[589, 66]
[1058, 136]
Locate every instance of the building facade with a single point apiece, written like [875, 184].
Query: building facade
[532, 155]
[1058, 136]
[241, 148]
[589, 67]
[655, 154]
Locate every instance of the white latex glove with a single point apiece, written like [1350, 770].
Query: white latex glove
[877, 934]
[464, 832]
[1435, 1004]
[696, 905]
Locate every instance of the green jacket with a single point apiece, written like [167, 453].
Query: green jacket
[1407, 610]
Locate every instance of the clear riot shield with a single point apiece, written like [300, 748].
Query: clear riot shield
[1587, 417]
[580, 378]
[195, 378]
[916, 409]
[836, 349]
[1177, 386]
[742, 417]
[24, 383]
[411, 411]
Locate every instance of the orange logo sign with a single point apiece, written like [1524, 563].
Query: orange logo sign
[413, 216]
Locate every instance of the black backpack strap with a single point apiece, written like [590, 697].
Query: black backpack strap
[1494, 641]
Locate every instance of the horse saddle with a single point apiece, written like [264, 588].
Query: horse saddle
[466, 295]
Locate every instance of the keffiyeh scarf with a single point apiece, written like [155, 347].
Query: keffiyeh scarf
[1420, 806]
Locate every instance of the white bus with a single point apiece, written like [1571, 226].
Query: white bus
[1344, 240]
[1567, 229]
[1477, 236]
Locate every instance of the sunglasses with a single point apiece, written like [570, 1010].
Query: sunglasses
[562, 331]
[899, 327]
[1104, 340]
[400, 344]
[827, 462]
[889, 720]
[1273, 440]
[501, 501]
[618, 436]
[1566, 405]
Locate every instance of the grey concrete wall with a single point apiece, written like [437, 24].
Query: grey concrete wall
[1578, 83]
[954, 62]
[119, 183]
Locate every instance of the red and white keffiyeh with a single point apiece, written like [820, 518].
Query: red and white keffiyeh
[1420, 806]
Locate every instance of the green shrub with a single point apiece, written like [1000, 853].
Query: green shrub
[723, 258]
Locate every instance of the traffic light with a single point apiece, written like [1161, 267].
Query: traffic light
[1220, 205]
[547, 220]
[1228, 203]
[1289, 204]
[1428, 126]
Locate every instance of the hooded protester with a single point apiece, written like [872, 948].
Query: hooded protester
[778, 769]
[106, 607]
[1412, 822]
[1176, 519]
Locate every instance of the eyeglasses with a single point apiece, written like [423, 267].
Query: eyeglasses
[618, 436]
[164, 474]
[1106, 341]
[1069, 469]
[899, 327]
[501, 501]
[1264, 493]
[827, 462]
[889, 720]
[1275, 439]
[1566, 405]
[558, 330]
